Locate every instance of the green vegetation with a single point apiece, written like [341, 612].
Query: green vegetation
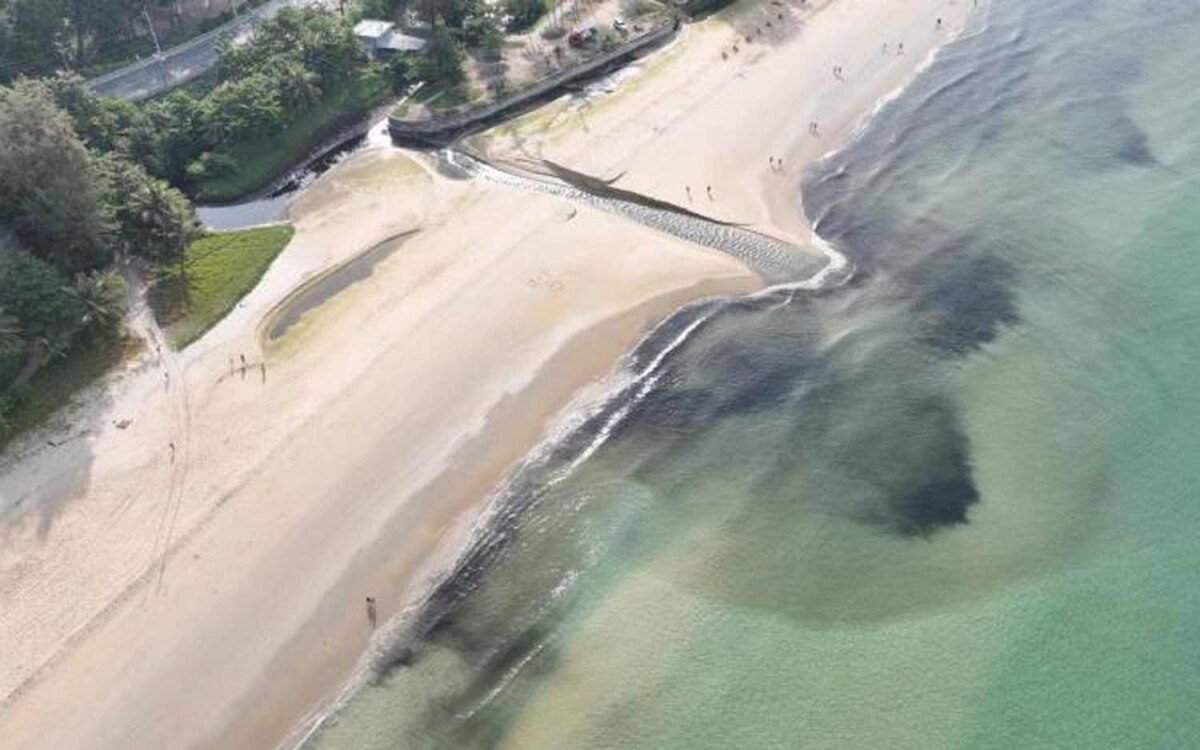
[218, 270]
[91, 185]
[66, 214]
[262, 160]
[442, 63]
[523, 14]
[303, 75]
[271, 100]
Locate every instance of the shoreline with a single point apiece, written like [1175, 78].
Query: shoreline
[277, 517]
[472, 516]
[442, 566]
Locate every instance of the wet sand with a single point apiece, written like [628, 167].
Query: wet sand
[215, 599]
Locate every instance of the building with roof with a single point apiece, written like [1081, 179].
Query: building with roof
[381, 38]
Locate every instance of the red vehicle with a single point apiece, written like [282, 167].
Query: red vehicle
[579, 37]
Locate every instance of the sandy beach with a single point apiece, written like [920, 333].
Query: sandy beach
[211, 595]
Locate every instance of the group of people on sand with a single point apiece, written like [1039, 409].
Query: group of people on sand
[262, 367]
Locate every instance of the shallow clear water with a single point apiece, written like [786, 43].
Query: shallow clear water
[953, 503]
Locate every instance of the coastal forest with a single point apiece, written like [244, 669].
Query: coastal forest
[97, 194]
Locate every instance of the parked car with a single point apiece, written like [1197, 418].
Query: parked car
[579, 37]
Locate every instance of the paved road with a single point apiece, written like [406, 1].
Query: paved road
[187, 61]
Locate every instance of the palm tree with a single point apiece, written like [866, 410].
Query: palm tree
[165, 222]
[102, 296]
[298, 86]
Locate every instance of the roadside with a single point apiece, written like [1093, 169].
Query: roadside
[187, 61]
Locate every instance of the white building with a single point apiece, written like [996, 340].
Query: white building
[380, 38]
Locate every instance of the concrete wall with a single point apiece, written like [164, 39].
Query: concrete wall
[441, 130]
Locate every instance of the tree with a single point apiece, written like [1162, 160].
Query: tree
[94, 21]
[524, 13]
[49, 315]
[212, 165]
[179, 124]
[48, 35]
[374, 9]
[104, 123]
[298, 87]
[442, 62]
[36, 28]
[152, 220]
[101, 299]
[456, 12]
[399, 72]
[239, 110]
[329, 47]
[47, 192]
[322, 42]
[482, 30]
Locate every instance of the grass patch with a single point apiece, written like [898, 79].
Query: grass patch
[56, 383]
[218, 270]
[263, 160]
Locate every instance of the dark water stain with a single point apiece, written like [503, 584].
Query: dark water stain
[331, 284]
[318, 166]
[965, 298]
[921, 466]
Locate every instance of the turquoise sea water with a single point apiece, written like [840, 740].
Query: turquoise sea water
[952, 504]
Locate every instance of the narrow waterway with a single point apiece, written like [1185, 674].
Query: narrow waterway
[272, 205]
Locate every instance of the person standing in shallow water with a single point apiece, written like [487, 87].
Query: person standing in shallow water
[371, 612]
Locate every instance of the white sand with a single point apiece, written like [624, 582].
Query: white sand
[388, 413]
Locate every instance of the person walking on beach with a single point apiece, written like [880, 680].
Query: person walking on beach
[710, 195]
[688, 189]
[939, 22]
[171, 445]
[371, 613]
